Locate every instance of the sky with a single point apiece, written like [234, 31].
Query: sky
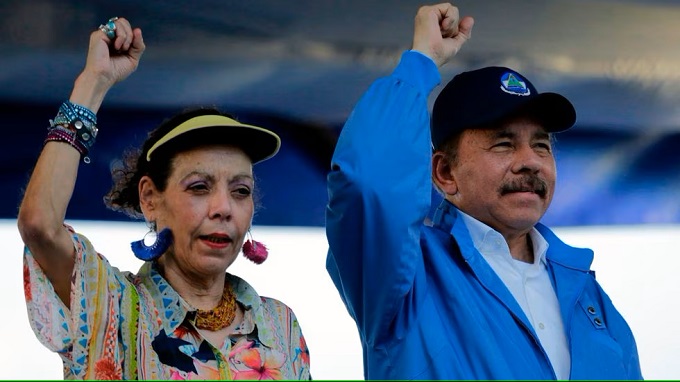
[638, 267]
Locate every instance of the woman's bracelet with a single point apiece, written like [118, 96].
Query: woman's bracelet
[75, 125]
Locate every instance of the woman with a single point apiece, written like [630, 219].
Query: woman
[181, 316]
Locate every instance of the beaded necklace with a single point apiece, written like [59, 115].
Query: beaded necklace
[220, 316]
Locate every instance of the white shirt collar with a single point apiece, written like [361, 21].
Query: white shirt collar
[490, 242]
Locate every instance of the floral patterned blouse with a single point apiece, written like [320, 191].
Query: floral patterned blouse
[126, 326]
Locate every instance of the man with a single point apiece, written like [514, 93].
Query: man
[484, 291]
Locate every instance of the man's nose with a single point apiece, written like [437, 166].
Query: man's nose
[527, 160]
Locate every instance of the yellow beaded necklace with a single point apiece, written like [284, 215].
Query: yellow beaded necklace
[220, 316]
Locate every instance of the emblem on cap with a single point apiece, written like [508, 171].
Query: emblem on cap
[512, 83]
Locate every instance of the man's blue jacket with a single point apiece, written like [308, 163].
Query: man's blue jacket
[426, 303]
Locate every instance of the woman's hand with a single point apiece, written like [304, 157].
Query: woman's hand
[108, 62]
[115, 59]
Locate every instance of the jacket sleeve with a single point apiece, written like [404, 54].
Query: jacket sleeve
[379, 194]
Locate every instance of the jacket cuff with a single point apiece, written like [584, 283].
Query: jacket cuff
[418, 70]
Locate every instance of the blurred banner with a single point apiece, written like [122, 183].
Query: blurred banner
[604, 176]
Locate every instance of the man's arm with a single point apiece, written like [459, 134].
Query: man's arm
[379, 185]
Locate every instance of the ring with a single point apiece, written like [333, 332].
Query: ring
[109, 28]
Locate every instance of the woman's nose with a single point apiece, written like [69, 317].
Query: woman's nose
[220, 206]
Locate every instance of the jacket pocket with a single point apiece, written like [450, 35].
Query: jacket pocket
[595, 352]
[592, 311]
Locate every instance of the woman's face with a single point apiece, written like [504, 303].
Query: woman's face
[208, 205]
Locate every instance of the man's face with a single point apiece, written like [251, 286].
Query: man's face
[505, 176]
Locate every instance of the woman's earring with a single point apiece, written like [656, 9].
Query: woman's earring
[151, 252]
[254, 250]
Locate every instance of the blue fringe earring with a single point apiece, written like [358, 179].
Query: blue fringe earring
[155, 250]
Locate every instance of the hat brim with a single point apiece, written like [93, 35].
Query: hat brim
[552, 110]
[258, 143]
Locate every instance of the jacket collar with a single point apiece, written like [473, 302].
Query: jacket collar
[447, 218]
[566, 264]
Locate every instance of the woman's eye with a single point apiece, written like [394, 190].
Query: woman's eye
[243, 191]
[198, 187]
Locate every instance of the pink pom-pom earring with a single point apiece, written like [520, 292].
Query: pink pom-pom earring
[255, 251]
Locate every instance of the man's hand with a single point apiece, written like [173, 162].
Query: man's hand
[440, 33]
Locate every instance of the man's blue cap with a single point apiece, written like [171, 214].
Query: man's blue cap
[483, 97]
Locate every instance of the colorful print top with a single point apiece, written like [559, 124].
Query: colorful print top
[126, 326]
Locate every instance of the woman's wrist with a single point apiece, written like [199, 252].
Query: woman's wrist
[76, 120]
[89, 91]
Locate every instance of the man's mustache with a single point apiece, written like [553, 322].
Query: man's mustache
[527, 183]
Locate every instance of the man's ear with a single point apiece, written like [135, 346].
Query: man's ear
[442, 173]
[148, 197]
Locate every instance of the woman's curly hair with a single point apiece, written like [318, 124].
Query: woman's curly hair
[126, 172]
